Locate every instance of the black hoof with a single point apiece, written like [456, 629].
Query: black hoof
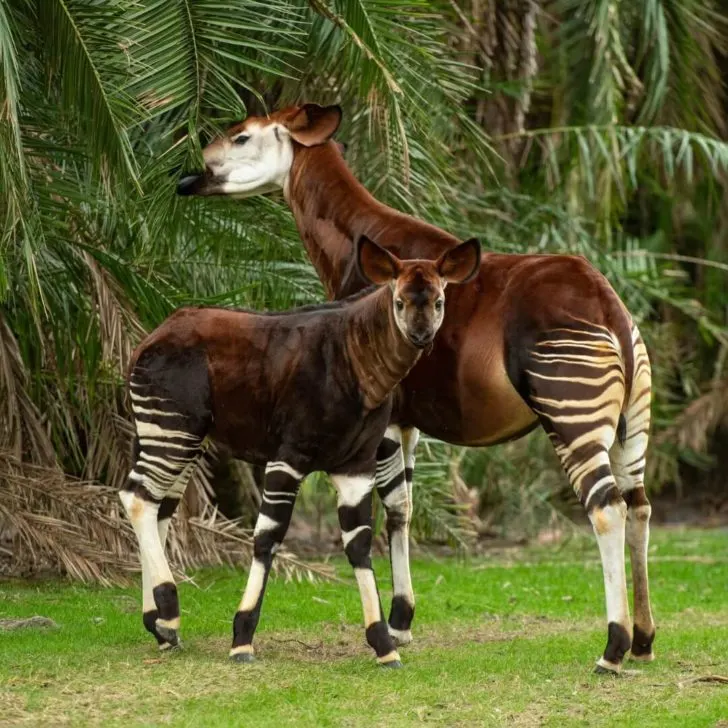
[170, 647]
[243, 657]
[599, 670]
[393, 665]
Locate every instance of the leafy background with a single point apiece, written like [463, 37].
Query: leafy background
[583, 126]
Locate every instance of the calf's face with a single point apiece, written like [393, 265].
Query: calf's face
[418, 286]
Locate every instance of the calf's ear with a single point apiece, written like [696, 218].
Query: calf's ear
[460, 264]
[375, 264]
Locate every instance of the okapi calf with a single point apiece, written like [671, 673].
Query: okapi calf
[300, 391]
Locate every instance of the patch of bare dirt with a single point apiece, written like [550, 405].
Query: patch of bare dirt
[10, 625]
[339, 641]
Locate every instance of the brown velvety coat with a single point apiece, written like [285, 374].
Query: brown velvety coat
[470, 389]
[282, 386]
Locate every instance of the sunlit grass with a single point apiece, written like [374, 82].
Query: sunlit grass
[510, 638]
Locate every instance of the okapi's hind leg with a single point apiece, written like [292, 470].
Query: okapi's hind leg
[576, 386]
[591, 477]
[627, 457]
[166, 450]
[395, 466]
[150, 517]
[170, 502]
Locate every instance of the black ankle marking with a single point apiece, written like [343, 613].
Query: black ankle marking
[244, 625]
[165, 597]
[379, 638]
[150, 620]
[642, 642]
[402, 613]
[408, 474]
[618, 643]
[167, 508]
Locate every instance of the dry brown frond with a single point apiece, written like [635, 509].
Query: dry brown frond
[21, 425]
[119, 327]
[699, 420]
[57, 524]
[119, 332]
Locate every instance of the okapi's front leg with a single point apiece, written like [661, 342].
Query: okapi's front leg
[279, 496]
[395, 491]
[355, 518]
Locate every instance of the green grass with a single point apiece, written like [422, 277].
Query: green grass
[507, 639]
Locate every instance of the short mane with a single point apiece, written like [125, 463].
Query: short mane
[308, 308]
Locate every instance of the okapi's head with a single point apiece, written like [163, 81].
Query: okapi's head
[255, 156]
[418, 286]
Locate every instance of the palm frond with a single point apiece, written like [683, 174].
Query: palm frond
[22, 431]
[10, 84]
[100, 102]
[81, 43]
[594, 59]
[190, 60]
[617, 156]
[678, 47]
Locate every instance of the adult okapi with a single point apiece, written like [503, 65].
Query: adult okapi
[533, 339]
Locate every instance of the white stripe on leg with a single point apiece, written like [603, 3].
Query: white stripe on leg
[253, 587]
[352, 489]
[369, 596]
[163, 530]
[126, 497]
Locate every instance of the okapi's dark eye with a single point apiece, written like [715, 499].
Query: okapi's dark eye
[438, 304]
[399, 303]
[241, 139]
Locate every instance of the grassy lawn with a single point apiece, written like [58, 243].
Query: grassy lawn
[508, 639]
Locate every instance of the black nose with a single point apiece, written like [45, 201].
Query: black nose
[190, 184]
[421, 340]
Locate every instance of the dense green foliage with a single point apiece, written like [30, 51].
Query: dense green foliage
[586, 127]
[509, 639]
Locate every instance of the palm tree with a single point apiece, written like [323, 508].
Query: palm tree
[592, 127]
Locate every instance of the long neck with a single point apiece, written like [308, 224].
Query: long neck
[332, 209]
[380, 355]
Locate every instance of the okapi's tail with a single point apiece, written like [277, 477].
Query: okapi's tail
[623, 329]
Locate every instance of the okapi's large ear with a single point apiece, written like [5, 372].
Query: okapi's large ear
[314, 124]
[375, 264]
[460, 264]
